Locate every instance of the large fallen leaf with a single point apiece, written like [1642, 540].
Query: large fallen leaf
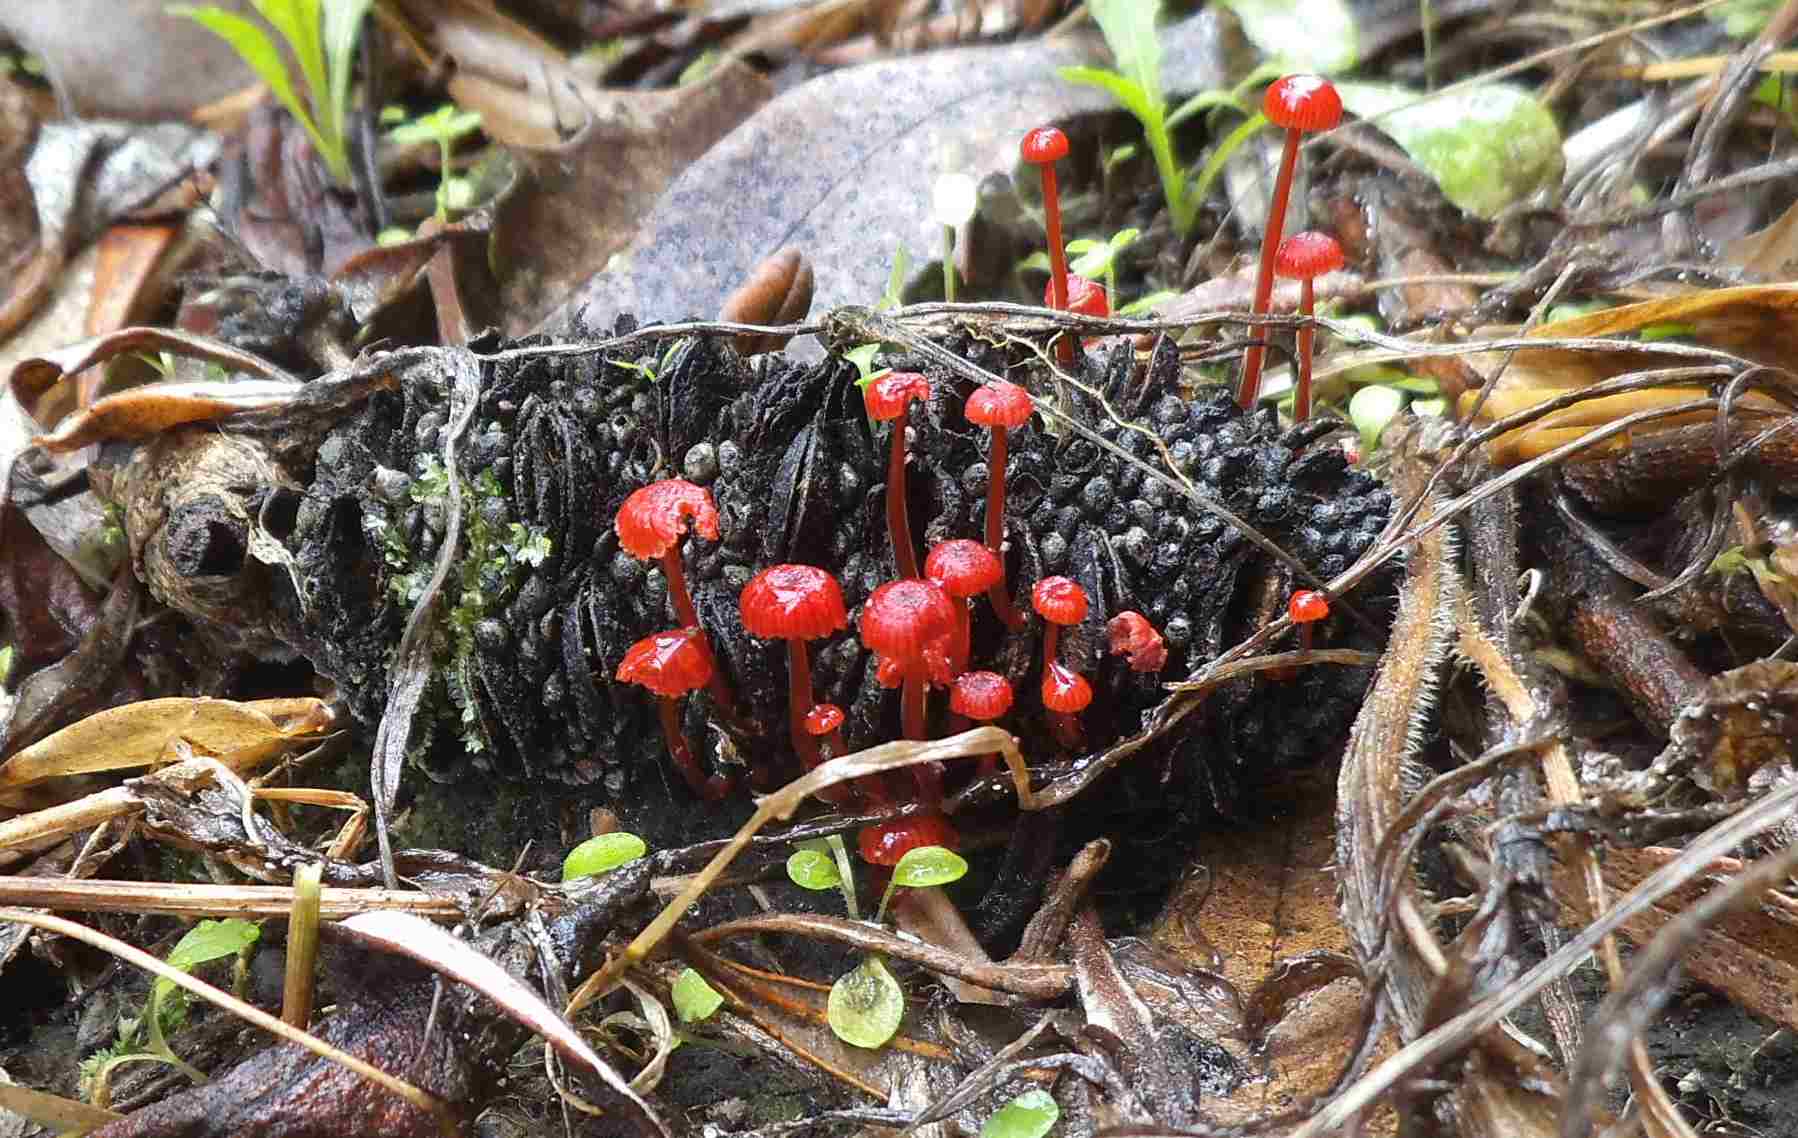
[842, 168]
[137, 735]
[1301, 35]
[1487, 147]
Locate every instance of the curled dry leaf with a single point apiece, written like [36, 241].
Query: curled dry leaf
[32, 378]
[779, 291]
[150, 410]
[242, 734]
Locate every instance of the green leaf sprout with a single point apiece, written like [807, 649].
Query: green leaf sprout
[1030, 1115]
[602, 855]
[866, 1005]
[694, 999]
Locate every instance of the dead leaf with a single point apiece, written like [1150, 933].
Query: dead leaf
[1771, 252]
[556, 228]
[127, 286]
[842, 167]
[33, 378]
[154, 408]
[242, 734]
[778, 292]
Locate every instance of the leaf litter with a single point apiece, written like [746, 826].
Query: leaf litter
[1631, 424]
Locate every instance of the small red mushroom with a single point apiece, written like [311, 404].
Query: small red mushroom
[1087, 297]
[1059, 601]
[650, 525]
[795, 603]
[886, 842]
[981, 697]
[1042, 148]
[1132, 635]
[890, 397]
[900, 622]
[964, 568]
[823, 724]
[999, 406]
[1306, 608]
[1304, 257]
[1298, 103]
[671, 664]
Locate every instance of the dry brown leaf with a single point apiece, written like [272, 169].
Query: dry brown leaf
[152, 409]
[242, 734]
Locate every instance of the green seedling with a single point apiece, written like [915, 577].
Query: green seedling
[1030, 1115]
[1736, 559]
[1091, 258]
[143, 1038]
[823, 864]
[866, 1005]
[602, 855]
[1370, 409]
[444, 126]
[1129, 30]
[926, 867]
[953, 200]
[694, 1000]
[321, 40]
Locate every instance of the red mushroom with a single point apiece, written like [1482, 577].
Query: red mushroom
[1306, 608]
[650, 525]
[671, 664]
[884, 843]
[981, 697]
[1042, 148]
[795, 603]
[999, 406]
[1059, 601]
[964, 568]
[1298, 103]
[823, 724]
[1132, 635]
[900, 621]
[1304, 257]
[890, 397]
[1087, 297]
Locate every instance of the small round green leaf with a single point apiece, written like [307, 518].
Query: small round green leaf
[602, 854]
[1371, 408]
[694, 999]
[1030, 1115]
[929, 865]
[866, 1005]
[813, 869]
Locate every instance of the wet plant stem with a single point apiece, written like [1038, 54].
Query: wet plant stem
[1250, 388]
[675, 576]
[905, 554]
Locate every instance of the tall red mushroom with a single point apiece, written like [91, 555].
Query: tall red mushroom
[671, 664]
[795, 603]
[650, 525]
[1296, 103]
[964, 568]
[899, 621]
[1061, 601]
[889, 398]
[1304, 257]
[999, 406]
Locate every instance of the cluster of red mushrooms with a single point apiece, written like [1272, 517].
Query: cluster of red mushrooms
[918, 625]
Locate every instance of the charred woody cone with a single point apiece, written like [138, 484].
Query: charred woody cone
[889, 398]
[670, 665]
[1304, 257]
[1299, 104]
[650, 525]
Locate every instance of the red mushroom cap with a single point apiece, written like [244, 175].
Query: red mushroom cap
[901, 618]
[1132, 635]
[792, 602]
[823, 718]
[1043, 145]
[999, 404]
[653, 518]
[980, 695]
[1059, 600]
[963, 567]
[887, 396]
[887, 842]
[1065, 689]
[1307, 256]
[1085, 296]
[669, 663]
[1308, 605]
[1303, 102]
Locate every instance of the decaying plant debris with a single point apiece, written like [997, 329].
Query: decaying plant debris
[1349, 884]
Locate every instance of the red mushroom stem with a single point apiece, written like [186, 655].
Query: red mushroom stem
[1297, 103]
[905, 554]
[999, 596]
[710, 788]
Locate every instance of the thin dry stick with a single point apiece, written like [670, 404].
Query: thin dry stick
[247, 1012]
[182, 900]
